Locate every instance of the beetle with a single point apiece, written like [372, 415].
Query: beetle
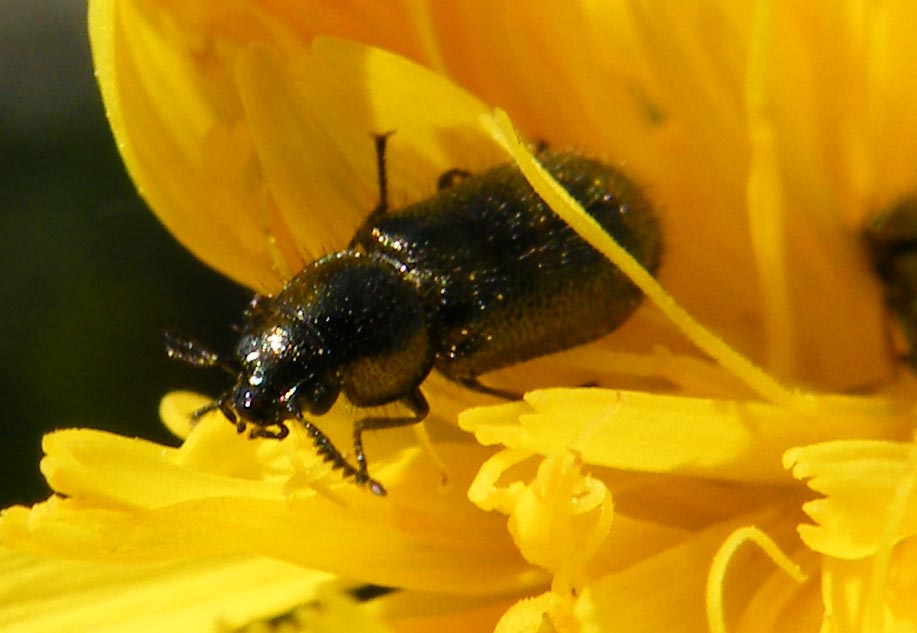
[478, 277]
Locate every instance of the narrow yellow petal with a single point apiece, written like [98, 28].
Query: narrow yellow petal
[742, 441]
[661, 593]
[315, 535]
[132, 500]
[902, 582]
[561, 519]
[666, 591]
[167, 107]
[419, 612]
[546, 613]
[81, 463]
[589, 229]
[864, 484]
[717, 578]
[843, 585]
[40, 594]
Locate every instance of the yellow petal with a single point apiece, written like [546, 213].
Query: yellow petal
[418, 612]
[717, 582]
[172, 108]
[313, 122]
[742, 441]
[869, 497]
[41, 594]
[902, 582]
[561, 519]
[136, 501]
[665, 592]
[660, 593]
[857, 598]
[546, 613]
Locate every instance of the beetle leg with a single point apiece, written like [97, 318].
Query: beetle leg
[451, 177]
[382, 207]
[381, 140]
[415, 401]
[329, 453]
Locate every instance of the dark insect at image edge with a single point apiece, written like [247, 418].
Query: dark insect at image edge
[890, 238]
[478, 277]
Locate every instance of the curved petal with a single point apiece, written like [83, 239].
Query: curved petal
[869, 495]
[130, 499]
[737, 441]
[42, 594]
[312, 126]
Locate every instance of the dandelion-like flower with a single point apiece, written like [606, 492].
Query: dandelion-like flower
[753, 466]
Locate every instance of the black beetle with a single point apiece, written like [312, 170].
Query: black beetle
[481, 276]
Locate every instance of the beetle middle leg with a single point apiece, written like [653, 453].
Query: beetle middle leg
[415, 401]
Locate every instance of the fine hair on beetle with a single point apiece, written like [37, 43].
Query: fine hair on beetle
[480, 276]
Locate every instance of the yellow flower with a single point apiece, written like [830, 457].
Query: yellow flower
[753, 469]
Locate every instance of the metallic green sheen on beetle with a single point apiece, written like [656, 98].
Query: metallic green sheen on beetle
[480, 276]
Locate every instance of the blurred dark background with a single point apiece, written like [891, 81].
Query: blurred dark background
[89, 276]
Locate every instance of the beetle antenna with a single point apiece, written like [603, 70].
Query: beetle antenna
[187, 350]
